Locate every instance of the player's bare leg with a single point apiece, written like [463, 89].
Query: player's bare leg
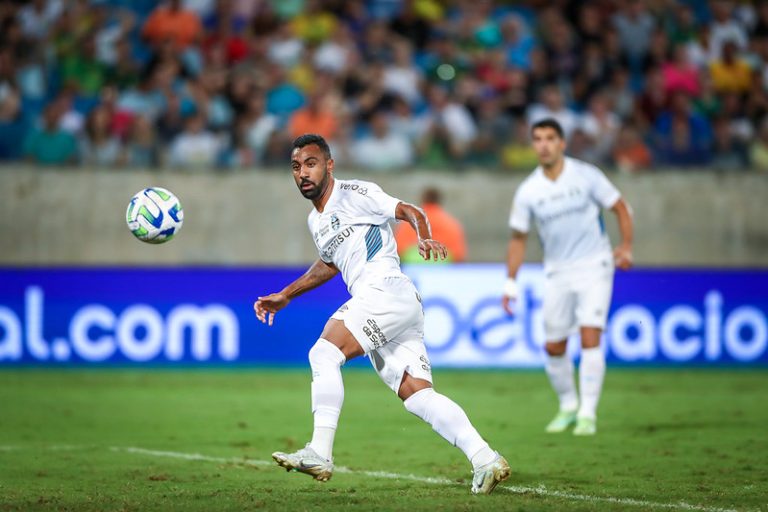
[591, 375]
[335, 346]
[451, 422]
[559, 369]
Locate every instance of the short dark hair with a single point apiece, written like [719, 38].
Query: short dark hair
[311, 138]
[549, 122]
[431, 195]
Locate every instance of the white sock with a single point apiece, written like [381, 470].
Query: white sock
[326, 359]
[451, 422]
[591, 374]
[560, 373]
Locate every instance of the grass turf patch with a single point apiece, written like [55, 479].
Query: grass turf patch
[666, 439]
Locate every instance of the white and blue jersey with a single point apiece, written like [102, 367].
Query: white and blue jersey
[353, 232]
[567, 212]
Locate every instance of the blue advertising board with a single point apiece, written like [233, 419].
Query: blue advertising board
[190, 316]
[658, 317]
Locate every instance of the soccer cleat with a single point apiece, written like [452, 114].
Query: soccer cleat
[585, 427]
[306, 461]
[561, 422]
[488, 476]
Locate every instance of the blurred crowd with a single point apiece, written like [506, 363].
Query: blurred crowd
[392, 84]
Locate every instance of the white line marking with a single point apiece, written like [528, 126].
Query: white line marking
[8, 448]
[515, 489]
[543, 491]
[191, 456]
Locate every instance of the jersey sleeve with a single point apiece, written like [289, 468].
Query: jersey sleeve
[377, 206]
[520, 216]
[600, 187]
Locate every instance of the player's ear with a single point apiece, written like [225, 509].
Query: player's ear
[329, 166]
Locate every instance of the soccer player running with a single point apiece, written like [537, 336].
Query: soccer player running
[383, 320]
[565, 197]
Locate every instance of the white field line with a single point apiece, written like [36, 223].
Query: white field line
[515, 489]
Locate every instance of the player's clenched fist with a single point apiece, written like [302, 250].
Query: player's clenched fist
[622, 257]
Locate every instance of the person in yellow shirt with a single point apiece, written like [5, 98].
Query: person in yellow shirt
[314, 25]
[730, 73]
[445, 227]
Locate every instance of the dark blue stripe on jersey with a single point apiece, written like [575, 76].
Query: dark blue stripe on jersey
[373, 242]
[601, 220]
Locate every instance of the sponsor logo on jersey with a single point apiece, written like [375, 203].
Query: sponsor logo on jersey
[372, 330]
[354, 187]
[574, 210]
[336, 242]
[571, 192]
[335, 223]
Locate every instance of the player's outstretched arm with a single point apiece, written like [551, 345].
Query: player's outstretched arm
[266, 307]
[415, 216]
[515, 255]
[622, 255]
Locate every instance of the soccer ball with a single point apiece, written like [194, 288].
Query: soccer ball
[154, 215]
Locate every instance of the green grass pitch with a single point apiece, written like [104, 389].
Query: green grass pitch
[128, 440]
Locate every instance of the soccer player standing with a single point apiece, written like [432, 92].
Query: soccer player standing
[565, 197]
[383, 320]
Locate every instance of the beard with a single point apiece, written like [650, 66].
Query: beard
[316, 190]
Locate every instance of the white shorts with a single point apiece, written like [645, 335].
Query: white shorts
[578, 296]
[387, 319]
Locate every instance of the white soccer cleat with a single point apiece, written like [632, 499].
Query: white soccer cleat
[488, 476]
[561, 422]
[306, 461]
[585, 427]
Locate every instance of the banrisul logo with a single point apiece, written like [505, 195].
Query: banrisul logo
[137, 333]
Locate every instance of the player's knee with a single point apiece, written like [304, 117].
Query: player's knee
[590, 337]
[325, 353]
[555, 349]
[411, 385]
